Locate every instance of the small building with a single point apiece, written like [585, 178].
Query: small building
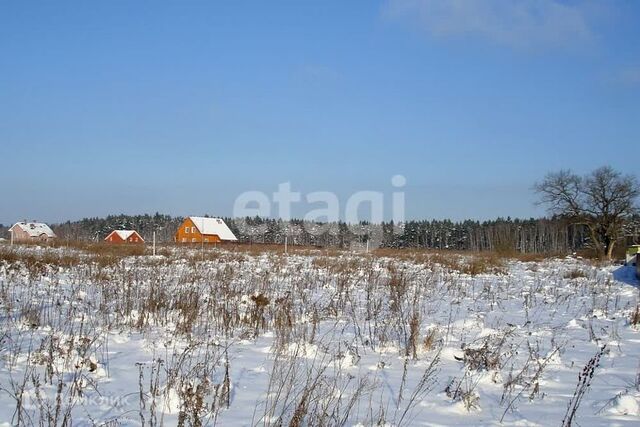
[196, 229]
[124, 236]
[632, 253]
[31, 232]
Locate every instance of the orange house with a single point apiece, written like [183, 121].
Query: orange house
[124, 236]
[197, 229]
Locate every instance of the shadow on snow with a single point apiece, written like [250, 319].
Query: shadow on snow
[626, 274]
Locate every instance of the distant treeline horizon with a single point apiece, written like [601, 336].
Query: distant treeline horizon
[533, 235]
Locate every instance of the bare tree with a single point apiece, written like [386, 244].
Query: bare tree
[602, 201]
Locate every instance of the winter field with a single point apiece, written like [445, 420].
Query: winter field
[244, 337]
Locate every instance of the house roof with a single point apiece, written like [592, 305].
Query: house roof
[211, 226]
[124, 234]
[34, 229]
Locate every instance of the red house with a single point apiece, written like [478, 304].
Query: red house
[31, 232]
[124, 236]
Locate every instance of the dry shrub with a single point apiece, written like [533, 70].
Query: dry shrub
[486, 355]
[451, 261]
[482, 359]
[321, 262]
[192, 398]
[119, 250]
[188, 306]
[589, 253]
[337, 265]
[195, 257]
[407, 254]
[31, 317]
[8, 256]
[635, 316]
[535, 257]
[283, 321]
[451, 257]
[108, 254]
[257, 315]
[471, 264]
[153, 304]
[265, 248]
[575, 274]
[397, 289]
[37, 262]
[430, 339]
[484, 265]
[164, 251]
[464, 390]
[414, 333]
[70, 253]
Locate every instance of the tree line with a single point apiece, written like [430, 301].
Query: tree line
[535, 235]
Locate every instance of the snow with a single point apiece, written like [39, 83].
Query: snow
[213, 226]
[139, 339]
[626, 405]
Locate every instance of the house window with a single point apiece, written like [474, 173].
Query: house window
[184, 240]
[186, 230]
[206, 240]
[193, 240]
[193, 230]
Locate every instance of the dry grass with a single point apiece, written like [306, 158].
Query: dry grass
[36, 261]
[102, 254]
[472, 264]
[575, 274]
[265, 248]
[210, 297]
[634, 319]
[466, 262]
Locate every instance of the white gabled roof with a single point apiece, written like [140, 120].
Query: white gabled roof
[209, 226]
[124, 234]
[34, 229]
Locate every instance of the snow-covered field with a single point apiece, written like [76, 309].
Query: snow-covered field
[233, 338]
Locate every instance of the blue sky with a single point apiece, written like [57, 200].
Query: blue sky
[180, 106]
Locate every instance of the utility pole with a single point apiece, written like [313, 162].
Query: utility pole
[286, 238]
[11, 236]
[154, 242]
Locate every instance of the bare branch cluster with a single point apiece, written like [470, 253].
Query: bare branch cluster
[603, 200]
